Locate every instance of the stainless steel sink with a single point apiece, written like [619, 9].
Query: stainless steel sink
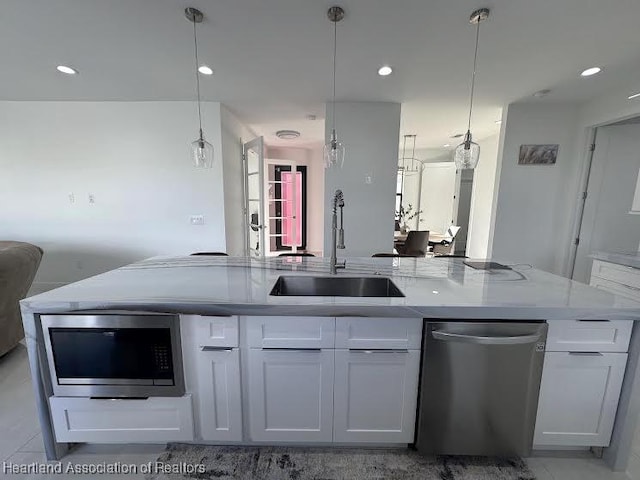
[301, 286]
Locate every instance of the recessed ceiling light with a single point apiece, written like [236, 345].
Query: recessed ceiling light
[498, 122]
[67, 70]
[385, 70]
[287, 134]
[205, 70]
[635, 95]
[446, 145]
[591, 71]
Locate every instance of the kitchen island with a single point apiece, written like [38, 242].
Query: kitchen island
[198, 288]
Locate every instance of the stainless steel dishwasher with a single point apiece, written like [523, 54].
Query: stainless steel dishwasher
[479, 387]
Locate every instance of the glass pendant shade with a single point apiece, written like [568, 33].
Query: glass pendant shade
[202, 153]
[333, 153]
[467, 153]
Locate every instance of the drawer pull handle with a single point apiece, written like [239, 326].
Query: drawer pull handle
[283, 349]
[206, 348]
[382, 350]
[587, 354]
[594, 320]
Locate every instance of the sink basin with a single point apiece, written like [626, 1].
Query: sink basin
[293, 286]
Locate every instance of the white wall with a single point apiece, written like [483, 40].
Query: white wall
[370, 133]
[234, 134]
[313, 159]
[607, 108]
[133, 157]
[534, 201]
[482, 199]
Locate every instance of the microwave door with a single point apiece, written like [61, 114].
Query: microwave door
[114, 355]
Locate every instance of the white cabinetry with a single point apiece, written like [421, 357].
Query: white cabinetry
[617, 279]
[301, 389]
[579, 398]
[211, 355]
[154, 419]
[582, 377]
[219, 397]
[375, 395]
[291, 395]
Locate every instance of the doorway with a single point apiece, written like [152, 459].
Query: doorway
[287, 207]
[609, 222]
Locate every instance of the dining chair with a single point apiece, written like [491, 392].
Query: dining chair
[416, 244]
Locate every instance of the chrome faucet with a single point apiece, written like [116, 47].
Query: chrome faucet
[337, 234]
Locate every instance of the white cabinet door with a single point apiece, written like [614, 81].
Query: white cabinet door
[219, 397]
[290, 395]
[579, 398]
[375, 395]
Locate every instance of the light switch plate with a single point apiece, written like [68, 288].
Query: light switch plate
[197, 219]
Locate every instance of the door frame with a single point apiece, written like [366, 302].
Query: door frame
[257, 144]
[590, 149]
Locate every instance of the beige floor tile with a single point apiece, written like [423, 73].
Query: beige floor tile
[634, 467]
[539, 470]
[581, 469]
[35, 445]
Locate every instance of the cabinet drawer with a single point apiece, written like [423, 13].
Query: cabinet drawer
[616, 273]
[290, 332]
[212, 331]
[378, 333]
[626, 291]
[589, 335]
[156, 419]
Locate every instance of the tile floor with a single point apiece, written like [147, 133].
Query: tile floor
[21, 442]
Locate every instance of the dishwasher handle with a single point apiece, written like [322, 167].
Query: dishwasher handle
[482, 340]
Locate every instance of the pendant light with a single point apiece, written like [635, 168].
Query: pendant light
[201, 150]
[333, 149]
[409, 165]
[467, 153]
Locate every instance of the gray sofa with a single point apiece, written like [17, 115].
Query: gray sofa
[18, 266]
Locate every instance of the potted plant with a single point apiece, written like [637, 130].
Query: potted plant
[405, 215]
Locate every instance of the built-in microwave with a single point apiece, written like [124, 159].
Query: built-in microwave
[114, 355]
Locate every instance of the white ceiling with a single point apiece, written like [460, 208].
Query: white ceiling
[272, 58]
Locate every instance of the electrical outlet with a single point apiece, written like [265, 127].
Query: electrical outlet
[197, 219]
[368, 179]
[92, 198]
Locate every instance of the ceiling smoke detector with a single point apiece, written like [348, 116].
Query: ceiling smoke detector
[287, 134]
[542, 93]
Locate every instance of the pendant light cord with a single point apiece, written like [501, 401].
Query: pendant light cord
[335, 51]
[473, 76]
[195, 42]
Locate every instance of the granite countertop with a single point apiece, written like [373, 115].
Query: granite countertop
[434, 288]
[627, 259]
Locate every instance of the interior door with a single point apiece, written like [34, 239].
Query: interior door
[437, 196]
[607, 224]
[253, 159]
